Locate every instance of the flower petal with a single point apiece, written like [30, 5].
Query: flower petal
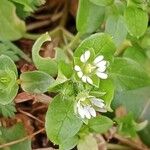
[98, 59]
[84, 78]
[77, 68]
[98, 102]
[87, 113]
[81, 111]
[89, 80]
[92, 111]
[102, 75]
[101, 63]
[101, 69]
[84, 57]
[80, 74]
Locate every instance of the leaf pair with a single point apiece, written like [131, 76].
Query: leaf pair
[33, 82]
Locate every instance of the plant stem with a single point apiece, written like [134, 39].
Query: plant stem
[18, 51]
[117, 147]
[74, 42]
[31, 36]
[122, 48]
[130, 143]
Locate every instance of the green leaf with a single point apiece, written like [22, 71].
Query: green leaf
[61, 122]
[12, 134]
[87, 143]
[8, 95]
[8, 77]
[116, 27]
[66, 69]
[7, 64]
[47, 65]
[139, 55]
[108, 87]
[101, 43]
[89, 16]
[8, 110]
[35, 81]
[11, 27]
[128, 74]
[5, 50]
[102, 2]
[69, 143]
[26, 4]
[144, 41]
[138, 102]
[100, 124]
[136, 20]
[29, 5]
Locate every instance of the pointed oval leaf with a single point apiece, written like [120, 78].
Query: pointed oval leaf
[128, 74]
[101, 43]
[11, 27]
[136, 20]
[61, 122]
[35, 81]
[89, 16]
[116, 27]
[100, 124]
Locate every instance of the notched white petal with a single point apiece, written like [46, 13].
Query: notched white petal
[80, 74]
[84, 79]
[89, 80]
[92, 111]
[102, 75]
[101, 63]
[77, 68]
[80, 110]
[101, 69]
[98, 59]
[87, 113]
[84, 57]
[98, 102]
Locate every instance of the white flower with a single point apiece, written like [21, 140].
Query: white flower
[87, 107]
[87, 70]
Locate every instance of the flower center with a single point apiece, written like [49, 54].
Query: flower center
[85, 102]
[88, 69]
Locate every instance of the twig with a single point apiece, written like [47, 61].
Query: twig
[65, 13]
[30, 115]
[131, 143]
[38, 24]
[23, 139]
